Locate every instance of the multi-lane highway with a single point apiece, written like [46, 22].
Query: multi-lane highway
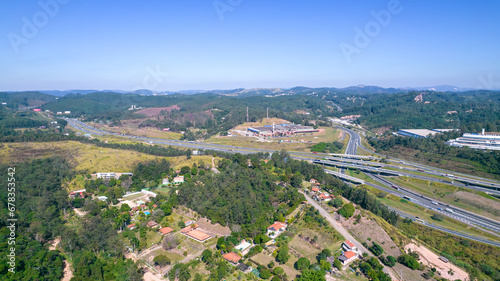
[354, 142]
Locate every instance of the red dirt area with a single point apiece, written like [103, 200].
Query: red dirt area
[153, 111]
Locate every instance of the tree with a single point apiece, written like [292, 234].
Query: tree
[326, 266]
[188, 153]
[347, 210]
[312, 275]
[437, 217]
[376, 249]
[206, 256]
[283, 255]
[278, 271]
[337, 202]
[161, 260]
[408, 261]
[170, 242]
[185, 170]
[302, 263]
[337, 264]
[265, 273]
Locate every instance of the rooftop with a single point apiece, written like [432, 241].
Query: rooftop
[349, 254]
[348, 243]
[166, 230]
[232, 257]
[198, 235]
[277, 225]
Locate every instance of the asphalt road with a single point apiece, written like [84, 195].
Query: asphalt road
[354, 142]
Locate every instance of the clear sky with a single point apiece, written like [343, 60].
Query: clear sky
[224, 44]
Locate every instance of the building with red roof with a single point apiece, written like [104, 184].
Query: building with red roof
[166, 230]
[275, 229]
[232, 258]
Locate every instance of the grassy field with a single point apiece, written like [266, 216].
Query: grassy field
[329, 135]
[89, 158]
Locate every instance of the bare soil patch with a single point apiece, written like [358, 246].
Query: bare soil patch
[153, 111]
[368, 228]
[430, 259]
[213, 229]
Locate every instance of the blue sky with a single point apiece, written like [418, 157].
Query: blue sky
[223, 44]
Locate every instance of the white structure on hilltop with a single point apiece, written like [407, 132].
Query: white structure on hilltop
[490, 141]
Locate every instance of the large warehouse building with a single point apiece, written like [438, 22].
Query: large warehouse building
[282, 130]
[420, 133]
[484, 140]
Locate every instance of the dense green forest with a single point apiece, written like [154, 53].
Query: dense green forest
[41, 207]
[474, 110]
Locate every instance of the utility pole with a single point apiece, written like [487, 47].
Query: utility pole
[267, 113]
[247, 114]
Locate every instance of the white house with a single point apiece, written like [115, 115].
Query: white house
[165, 181]
[179, 179]
[106, 175]
[276, 229]
[349, 246]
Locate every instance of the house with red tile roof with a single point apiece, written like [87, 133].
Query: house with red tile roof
[348, 257]
[131, 226]
[275, 229]
[315, 189]
[232, 258]
[166, 230]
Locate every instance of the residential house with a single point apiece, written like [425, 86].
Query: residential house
[189, 222]
[349, 246]
[276, 229]
[165, 181]
[166, 230]
[313, 181]
[347, 257]
[243, 245]
[193, 233]
[179, 180]
[80, 193]
[131, 226]
[153, 224]
[102, 198]
[232, 258]
[315, 189]
[325, 197]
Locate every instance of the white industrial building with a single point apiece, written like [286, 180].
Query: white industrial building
[484, 140]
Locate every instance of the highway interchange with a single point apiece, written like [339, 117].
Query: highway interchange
[372, 171]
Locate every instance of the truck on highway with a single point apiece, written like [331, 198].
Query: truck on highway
[449, 210]
[395, 187]
[407, 198]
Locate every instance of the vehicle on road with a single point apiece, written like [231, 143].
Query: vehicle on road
[449, 210]
[434, 202]
[407, 198]
[395, 187]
